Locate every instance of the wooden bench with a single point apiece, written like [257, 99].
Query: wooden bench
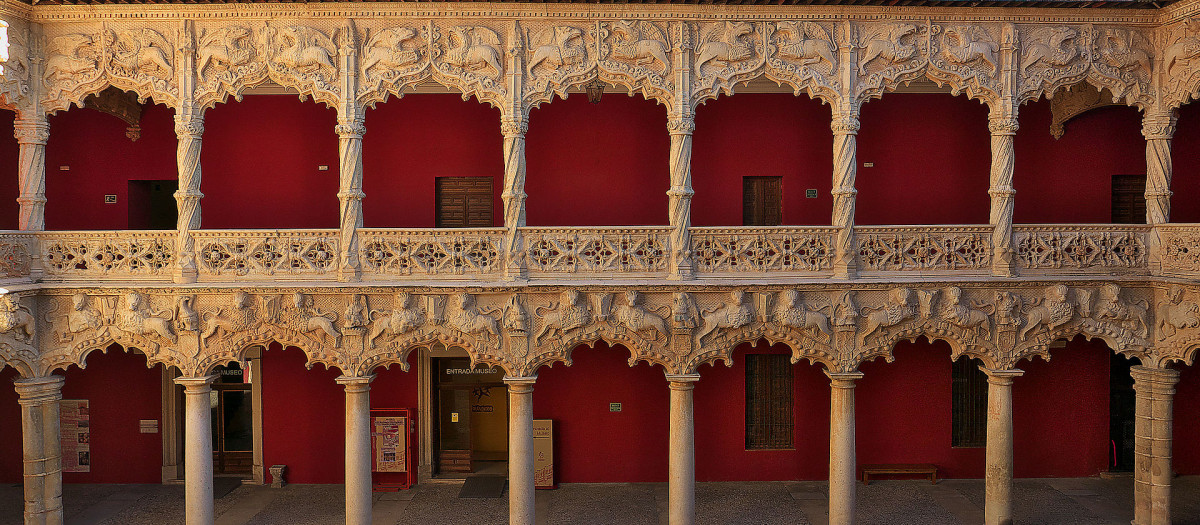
[924, 469]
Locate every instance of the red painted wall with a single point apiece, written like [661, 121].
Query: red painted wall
[413, 140]
[9, 186]
[1070, 179]
[761, 134]
[1060, 413]
[260, 162]
[1185, 178]
[720, 412]
[304, 413]
[592, 444]
[10, 428]
[102, 161]
[931, 154]
[603, 164]
[1186, 457]
[903, 412]
[120, 453]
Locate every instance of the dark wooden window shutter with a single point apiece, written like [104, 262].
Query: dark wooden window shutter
[769, 421]
[1129, 199]
[969, 394]
[762, 201]
[464, 202]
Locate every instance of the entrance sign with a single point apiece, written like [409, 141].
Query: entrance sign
[393, 450]
[543, 454]
[75, 433]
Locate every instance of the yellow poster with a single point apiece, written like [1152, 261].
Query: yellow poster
[389, 441]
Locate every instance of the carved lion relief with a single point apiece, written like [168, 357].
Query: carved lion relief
[967, 57]
[805, 55]
[636, 54]
[888, 54]
[1051, 57]
[726, 53]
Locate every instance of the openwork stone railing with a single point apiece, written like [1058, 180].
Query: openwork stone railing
[266, 252]
[431, 252]
[1103, 248]
[763, 249]
[88, 254]
[16, 251]
[634, 250]
[1179, 247]
[906, 248]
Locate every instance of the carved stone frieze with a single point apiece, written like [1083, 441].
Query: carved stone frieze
[637, 54]
[889, 53]
[1052, 56]
[804, 54]
[393, 58]
[967, 58]
[470, 58]
[726, 53]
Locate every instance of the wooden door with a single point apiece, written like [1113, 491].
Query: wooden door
[1129, 199]
[762, 201]
[464, 202]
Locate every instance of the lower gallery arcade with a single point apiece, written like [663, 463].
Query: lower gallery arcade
[759, 399]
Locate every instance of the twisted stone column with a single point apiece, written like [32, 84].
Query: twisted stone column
[41, 448]
[350, 195]
[679, 197]
[1003, 130]
[189, 130]
[842, 463]
[514, 195]
[521, 509]
[1158, 129]
[358, 448]
[998, 472]
[681, 459]
[197, 452]
[845, 169]
[32, 134]
[1155, 390]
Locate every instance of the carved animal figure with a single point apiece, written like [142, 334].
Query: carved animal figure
[406, 316]
[1055, 46]
[465, 317]
[225, 48]
[385, 51]
[135, 320]
[729, 46]
[1186, 48]
[563, 51]
[304, 49]
[634, 315]
[844, 312]
[965, 45]
[962, 315]
[83, 316]
[474, 47]
[925, 299]
[71, 56]
[898, 309]
[1176, 314]
[887, 42]
[304, 317]
[15, 318]
[186, 318]
[1119, 50]
[515, 318]
[571, 313]
[808, 43]
[789, 312]
[15, 57]
[684, 313]
[738, 313]
[1111, 308]
[630, 44]
[1054, 312]
[358, 313]
[243, 317]
[142, 50]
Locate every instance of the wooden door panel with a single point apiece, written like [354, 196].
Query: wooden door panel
[464, 202]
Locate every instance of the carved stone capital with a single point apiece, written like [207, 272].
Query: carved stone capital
[38, 390]
[192, 127]
[845, 125]
[31, 131]
[1158, 127]
[514, 127]
[1001, 377]
[350, 128]
[1002, 126]
[681, 125]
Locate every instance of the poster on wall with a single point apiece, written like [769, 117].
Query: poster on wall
[389, 442]
[543, 453]
[76, 433]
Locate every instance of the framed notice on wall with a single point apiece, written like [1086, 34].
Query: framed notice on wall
[75, 431]
[393, 448]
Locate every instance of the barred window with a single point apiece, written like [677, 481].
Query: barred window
[969, 390]
[768, 402]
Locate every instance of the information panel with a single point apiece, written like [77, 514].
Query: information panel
[390, 443]
[76, 435]
[543, 453]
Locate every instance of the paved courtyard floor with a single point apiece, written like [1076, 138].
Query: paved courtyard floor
[1038, 501]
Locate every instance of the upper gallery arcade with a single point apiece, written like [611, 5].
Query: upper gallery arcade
[511, 216]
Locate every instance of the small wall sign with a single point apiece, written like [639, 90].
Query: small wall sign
[110, 199]
[614, 407]
[810, 194]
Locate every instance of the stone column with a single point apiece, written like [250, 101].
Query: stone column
[1158, 128]
[679, 197]
[998, 473]
[845, 169]
[520, 450]
[514, 129]
[681, 461]
[1155, 389]
[32, 132]
[189, 130]
[39, 398]
[350, 132]
[197, 453]
[1004, 131]
[358, 448]
[842, 465]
